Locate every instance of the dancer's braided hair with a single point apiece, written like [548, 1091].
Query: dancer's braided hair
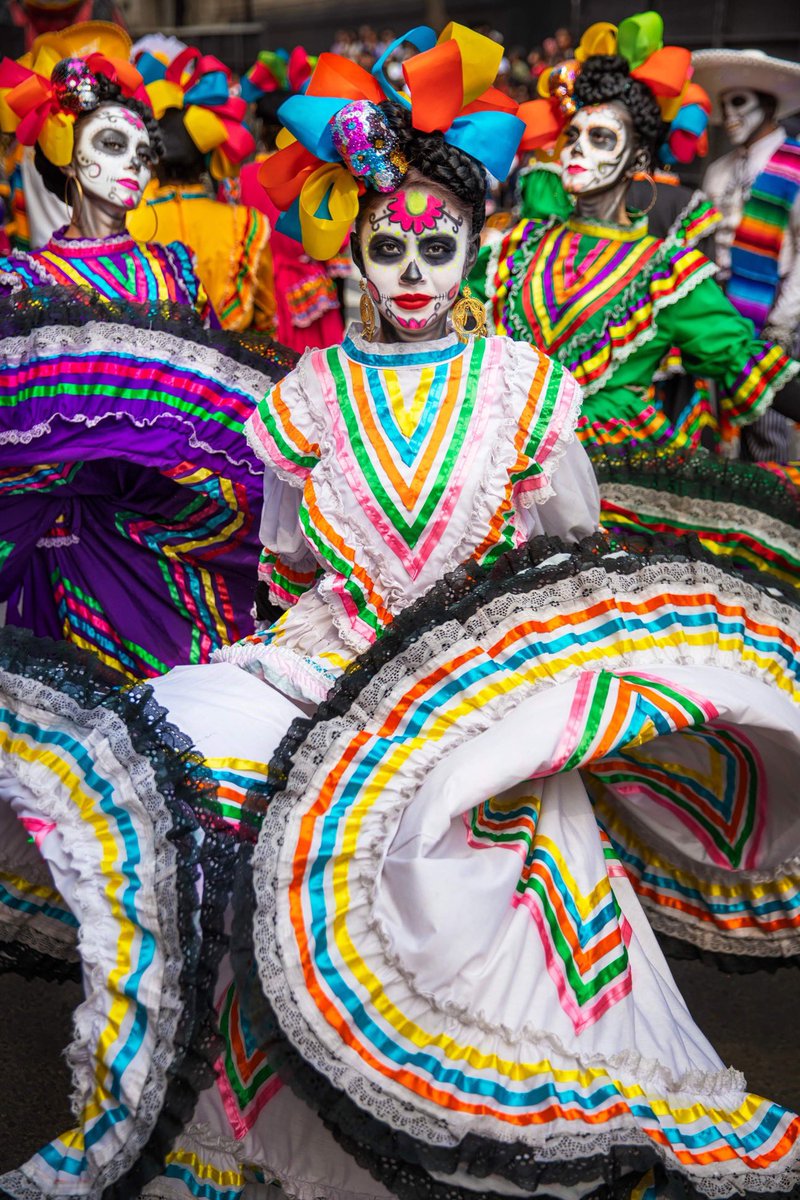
[436, 160]
[607, 77]
[108, 93]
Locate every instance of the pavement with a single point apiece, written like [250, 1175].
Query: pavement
[751, 1020]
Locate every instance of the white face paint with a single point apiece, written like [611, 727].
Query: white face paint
[742, 113]
[596, 150]
[113, 158]
[414, 246]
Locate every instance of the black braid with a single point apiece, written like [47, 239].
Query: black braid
[436, 160]
[607, 77]
[108, 93]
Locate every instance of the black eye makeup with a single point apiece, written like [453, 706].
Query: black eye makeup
[109, 141]
[438, 249]
[383, 247]
[603, 138]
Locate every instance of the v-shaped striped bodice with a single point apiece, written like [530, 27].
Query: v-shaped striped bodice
[588, 294]
[411, 460]
[117, 268]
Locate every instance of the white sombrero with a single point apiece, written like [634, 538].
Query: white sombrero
[720, 70]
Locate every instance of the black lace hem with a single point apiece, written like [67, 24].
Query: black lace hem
[181, 779]
[24, 311]
[404, 1164]
[730, 964]
[30, 962]
[700, 475]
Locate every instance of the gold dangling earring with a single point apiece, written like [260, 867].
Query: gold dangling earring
[468, 316]
[646, 175]
[367, 311]
[74, 210]
[152, 236]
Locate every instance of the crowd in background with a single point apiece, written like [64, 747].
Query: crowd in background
[519, 69]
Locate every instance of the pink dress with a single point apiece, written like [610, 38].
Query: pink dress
[307, 306]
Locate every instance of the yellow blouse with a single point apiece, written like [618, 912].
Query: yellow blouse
[230, 243]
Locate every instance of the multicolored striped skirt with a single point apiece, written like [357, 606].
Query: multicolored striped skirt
[129, 500]
[444, 977]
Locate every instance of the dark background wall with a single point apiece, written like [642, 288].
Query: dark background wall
[771, 25]
[236, 29]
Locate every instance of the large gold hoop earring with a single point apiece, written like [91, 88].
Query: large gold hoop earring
[74, 210]
[642, 212]
[367, 311]
[468, 316]
[152, 236]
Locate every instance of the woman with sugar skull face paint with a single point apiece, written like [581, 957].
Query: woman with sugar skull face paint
[441, 980]
[138, 536]
[610, 301]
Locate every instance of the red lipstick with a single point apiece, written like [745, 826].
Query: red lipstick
[129, 183]
[412, 300]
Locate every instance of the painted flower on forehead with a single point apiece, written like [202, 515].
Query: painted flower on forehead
[368, 146]
[415, 212]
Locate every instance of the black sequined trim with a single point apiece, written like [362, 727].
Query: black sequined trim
[24, 311]
[698, 474]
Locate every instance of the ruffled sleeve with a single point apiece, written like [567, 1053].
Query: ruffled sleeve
[716, 341]
[572, 510]
[284, 430]
[554, 488]
[286, 565]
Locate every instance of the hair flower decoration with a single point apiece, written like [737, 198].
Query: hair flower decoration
[200, 85]
[43, 93]
[277, 71]
[665, 70]
[337, 141]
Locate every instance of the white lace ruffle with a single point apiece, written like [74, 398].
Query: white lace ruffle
[278, 976]
[167, 349]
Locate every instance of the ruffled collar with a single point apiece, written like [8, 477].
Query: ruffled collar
[120, 243]
[394, 354]
[606, 229]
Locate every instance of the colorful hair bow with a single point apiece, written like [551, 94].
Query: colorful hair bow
[200, 85]
[665, 70]
[449, 87]
[687, 137]
[35, 107]
[277, 71]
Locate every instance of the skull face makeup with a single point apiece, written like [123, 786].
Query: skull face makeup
[597, 149]
[112, 158]
[743, 113]
[415, 247]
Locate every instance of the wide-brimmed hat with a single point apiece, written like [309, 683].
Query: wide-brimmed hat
[721, 70]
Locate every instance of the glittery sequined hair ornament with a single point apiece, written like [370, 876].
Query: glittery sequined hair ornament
[368, 146]
[200, 86]
[48, 89]
[337, 142]
[665, 70]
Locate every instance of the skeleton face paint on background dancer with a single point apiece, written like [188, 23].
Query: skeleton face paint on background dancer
[113, 157]
[743, 114]
[597, 148]
[415, 246]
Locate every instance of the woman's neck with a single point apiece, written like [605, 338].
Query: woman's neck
[606, 207]
[92, 221]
